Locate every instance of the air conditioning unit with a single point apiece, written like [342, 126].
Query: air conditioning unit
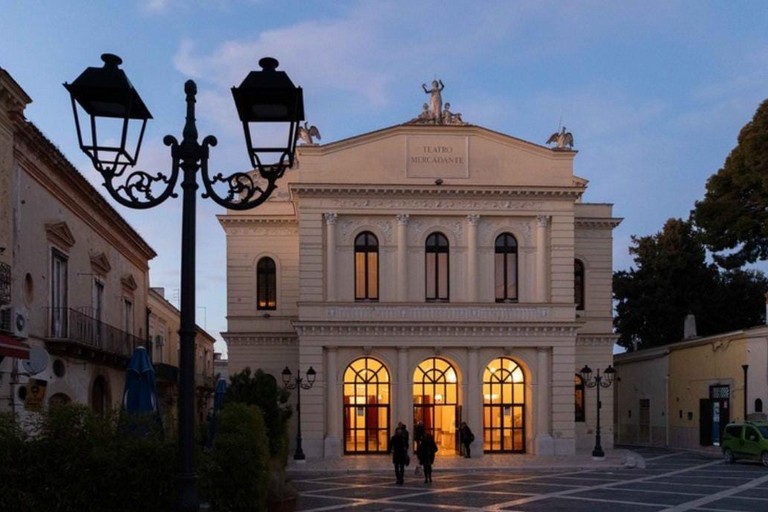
[19, 322]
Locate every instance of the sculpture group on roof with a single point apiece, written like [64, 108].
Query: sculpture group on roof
[562, 139]
[434, 112]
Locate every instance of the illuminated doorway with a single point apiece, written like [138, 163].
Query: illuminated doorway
[366, 407]
[435, 402]
[503, 407]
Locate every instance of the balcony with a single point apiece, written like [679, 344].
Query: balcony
[166, 373]
[79, 335]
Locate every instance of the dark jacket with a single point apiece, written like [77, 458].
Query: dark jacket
[427, 450]
[398, 447]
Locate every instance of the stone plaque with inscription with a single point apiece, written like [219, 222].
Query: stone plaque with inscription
[437, 156]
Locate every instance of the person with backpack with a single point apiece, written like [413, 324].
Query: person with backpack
[466, 436]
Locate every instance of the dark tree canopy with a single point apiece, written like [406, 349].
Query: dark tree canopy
[671, 280]
[261, 389]
[733, 216]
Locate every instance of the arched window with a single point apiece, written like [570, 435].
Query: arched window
[366, 407]
[435, 399]
[579, 398]
[436, 253]
[578, 284]
[366, 266]
[503, 407]
[505, 263]
[266, 284]
[758, 405]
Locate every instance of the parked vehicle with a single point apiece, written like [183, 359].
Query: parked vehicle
[746, 440]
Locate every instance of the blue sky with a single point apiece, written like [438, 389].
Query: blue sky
[654, 92]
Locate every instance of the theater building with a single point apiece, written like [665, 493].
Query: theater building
[431, 271]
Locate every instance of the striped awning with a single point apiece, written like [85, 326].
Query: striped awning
[12, 347]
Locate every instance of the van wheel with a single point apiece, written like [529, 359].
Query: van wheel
[764, 458]
[729, 458]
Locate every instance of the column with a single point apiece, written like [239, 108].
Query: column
[543, 401]
[404, 389]
[330, 257]
[473, 402]
[472, 220]
[542, 269]
[402, 257]
[332, 447]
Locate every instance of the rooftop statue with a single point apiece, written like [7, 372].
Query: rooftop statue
[434, 112]
[306, 132]
[562, 139]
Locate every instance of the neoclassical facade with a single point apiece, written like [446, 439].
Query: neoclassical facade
[442, 273]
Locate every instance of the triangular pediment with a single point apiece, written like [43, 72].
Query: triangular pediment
[424, 155]
[129, 283]
[100, 264]
[59, 234]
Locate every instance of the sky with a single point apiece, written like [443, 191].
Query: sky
[654, 92]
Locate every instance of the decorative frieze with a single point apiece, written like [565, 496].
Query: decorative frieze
[408, 313]
[247, 340]
[420, 204]
[423, 331]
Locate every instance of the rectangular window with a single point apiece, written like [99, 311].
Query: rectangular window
[59, 306]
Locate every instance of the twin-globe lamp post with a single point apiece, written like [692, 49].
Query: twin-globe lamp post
[598, 381]
[106, 97]
[298, 383]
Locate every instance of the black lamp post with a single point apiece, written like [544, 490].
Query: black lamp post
[599, 381]
[107, 96]
[298, 384]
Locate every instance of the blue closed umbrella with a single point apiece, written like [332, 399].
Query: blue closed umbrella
[218, 403]
[140, 395]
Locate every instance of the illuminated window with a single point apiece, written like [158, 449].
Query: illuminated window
[579, 397]
[436, 253]
[266, 284]
[366, 267]
[505, 263]
[366, 406]
[503, 407]
[435, 397]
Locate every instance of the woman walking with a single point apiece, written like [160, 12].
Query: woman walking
[426, 452]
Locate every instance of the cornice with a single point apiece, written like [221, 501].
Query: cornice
[237, 339]
[596, 340]
[420, 191]
[234, 220]
[598, 223]
[465, 332]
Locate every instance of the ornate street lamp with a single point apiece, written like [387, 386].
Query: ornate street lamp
[599, 381]
[298, 384]
[107, 97]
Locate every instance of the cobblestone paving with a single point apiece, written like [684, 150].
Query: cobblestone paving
[641, 479]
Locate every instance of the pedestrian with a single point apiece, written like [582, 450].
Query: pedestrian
[404, 431]
[466, 436]
[418, 437]
[398, 447]
[426, 452]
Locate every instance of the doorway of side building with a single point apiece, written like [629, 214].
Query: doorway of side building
[435, 402]
[503, 407]
[366, 406]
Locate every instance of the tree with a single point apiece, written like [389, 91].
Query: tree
[261, 389]
[733, 216]
[672, 279]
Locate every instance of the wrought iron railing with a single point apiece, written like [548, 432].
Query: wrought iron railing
[5, 284]
[73, 326]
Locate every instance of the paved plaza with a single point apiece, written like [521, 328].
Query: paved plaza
[640, 479]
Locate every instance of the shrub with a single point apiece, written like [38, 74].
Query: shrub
[235, 473]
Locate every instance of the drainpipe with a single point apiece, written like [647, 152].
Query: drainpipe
[666, 410]
[746, 368]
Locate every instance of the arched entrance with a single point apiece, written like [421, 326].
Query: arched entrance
[503, 407]
[435, 402]
[366, 406]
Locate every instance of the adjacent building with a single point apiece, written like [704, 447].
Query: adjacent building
[434, 271]
[75, 298]
[682, 395]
